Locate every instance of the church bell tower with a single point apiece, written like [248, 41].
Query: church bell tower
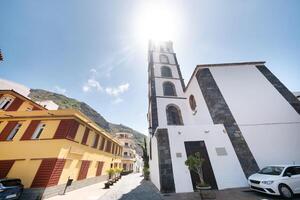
[165, 84]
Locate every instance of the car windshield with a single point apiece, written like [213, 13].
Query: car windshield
[271, 170]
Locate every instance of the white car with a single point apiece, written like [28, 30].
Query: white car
[281, 180]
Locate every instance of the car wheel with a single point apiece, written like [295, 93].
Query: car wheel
[285, 191]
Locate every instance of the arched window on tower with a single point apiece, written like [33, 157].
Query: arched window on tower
[163, 58]
[169, 89]
[166, 71]
[173, 115]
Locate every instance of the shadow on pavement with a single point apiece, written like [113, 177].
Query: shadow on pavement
[145, 191]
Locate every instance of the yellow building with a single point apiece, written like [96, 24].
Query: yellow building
[46, 147]
[129, 153]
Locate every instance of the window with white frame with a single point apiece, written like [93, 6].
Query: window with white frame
[14, 131]
[5, 102]
[38, 131]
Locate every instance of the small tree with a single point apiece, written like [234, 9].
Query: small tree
[118, 171]
[146, 173]
[110, 173]
[145, 154]
[195, 163]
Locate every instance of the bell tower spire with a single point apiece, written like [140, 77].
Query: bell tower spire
[165, 82]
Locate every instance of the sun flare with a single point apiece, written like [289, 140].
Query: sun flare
[156, 22]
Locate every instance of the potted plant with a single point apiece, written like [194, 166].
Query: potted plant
[195, 163]
[146, 173]
[118, 173]
[110, 173]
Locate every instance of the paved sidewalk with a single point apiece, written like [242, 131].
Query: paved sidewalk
[91, 192]
[130, 187]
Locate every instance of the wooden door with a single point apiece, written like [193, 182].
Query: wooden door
[193, 147]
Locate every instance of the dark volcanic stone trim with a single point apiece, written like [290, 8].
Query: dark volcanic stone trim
[179, 72]
[166, 176]
[221, 114]
[152, 99]
[288, 95]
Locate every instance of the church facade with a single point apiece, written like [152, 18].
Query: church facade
[239, 116]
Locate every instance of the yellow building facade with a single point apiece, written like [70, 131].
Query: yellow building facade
[129, 153]
[45, 148]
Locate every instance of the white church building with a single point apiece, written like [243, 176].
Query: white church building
[239, 116]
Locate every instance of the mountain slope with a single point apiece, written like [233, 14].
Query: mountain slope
[66, 102]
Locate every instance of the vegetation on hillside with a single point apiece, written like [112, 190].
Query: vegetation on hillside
[66, 102]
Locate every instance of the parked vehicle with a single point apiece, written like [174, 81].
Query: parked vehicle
[281, 180]
[10, 188]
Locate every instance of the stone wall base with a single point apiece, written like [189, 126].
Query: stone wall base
[42, 193]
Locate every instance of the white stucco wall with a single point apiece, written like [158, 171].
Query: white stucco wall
[227, 170]
[251, 98]
[269, 124]
[153, 163]
[273, 143]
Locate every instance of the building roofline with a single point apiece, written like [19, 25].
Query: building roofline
[57, 114]
[235, 63]
[222, 65]
[23, 97]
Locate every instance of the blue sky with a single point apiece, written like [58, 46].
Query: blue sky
[91, 50]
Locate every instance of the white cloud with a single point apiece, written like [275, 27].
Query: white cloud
[91, 84]
[93, 71]
[117, 101]
[60, 89]
[116, 91]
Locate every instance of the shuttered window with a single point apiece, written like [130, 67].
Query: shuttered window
[15, 105]
[117, 150]
[67, 128]
[55, 176]
[85, 164]
[99, 168]
[7, 130]
[30, 130]
[96, 141]
[38, 131]
[5, 166]
[48, 173]
[113, 148]
[85, 136]
[14, 132]
[5, 102]
[73, 129]
[102, 144]
[108, 146]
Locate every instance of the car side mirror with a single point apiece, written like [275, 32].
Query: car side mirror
[289, 174]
